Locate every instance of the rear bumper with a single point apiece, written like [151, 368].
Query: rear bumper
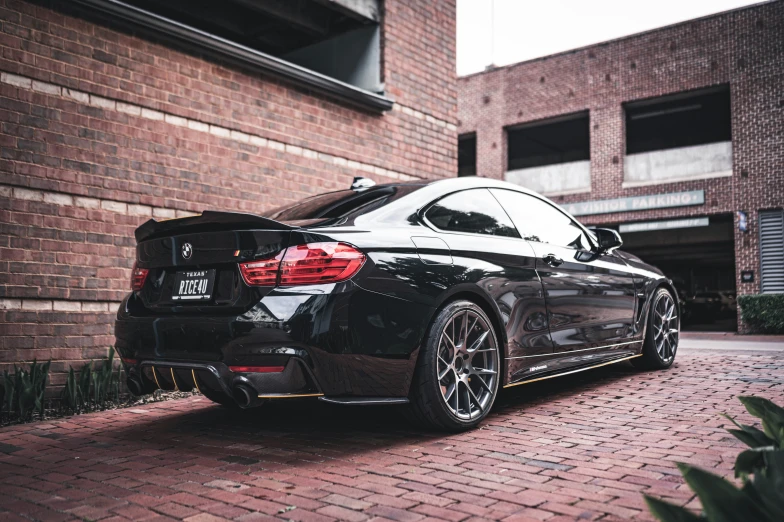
[332, 340]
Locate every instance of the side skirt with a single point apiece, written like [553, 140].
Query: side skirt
[535, 379]
[364, 401]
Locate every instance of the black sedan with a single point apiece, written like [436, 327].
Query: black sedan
[432, 295]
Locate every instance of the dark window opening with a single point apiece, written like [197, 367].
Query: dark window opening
[559, 140]
[700, 262]
[682, 120]
[466, 155]
[334, 45]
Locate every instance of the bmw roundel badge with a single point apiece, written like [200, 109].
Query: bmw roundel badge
[187, 250]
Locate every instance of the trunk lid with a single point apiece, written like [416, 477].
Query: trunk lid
[193, 262]
[207, 221]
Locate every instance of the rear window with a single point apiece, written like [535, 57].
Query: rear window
[340, 204]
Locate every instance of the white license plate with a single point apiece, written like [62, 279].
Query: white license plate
[193, 285]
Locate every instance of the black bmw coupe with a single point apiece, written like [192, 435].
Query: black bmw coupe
[428, 294]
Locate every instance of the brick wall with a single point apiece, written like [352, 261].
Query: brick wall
[742, 48]
[101, 130]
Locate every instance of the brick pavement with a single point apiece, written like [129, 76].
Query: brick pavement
[582, 447]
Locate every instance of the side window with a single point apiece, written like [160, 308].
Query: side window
[474, 211]
[541, 222]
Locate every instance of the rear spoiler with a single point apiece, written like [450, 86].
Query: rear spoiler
[208, 221]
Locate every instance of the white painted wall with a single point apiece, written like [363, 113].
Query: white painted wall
[563, 178]
[685, 163]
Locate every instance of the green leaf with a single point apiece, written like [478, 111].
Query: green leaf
[721, 501]
[85, 379]
[772, 416]
[751, 461]
[10, 391]
[756, 440]
[749, 435]
[71, 396]
[767, 494]
[774, 470]
[667, 512]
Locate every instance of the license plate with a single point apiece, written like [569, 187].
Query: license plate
[194, 285]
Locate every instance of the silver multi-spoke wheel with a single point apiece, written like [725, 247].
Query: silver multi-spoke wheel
[665, 327]
[467, 365]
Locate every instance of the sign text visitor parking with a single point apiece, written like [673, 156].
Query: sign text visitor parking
[608, 206]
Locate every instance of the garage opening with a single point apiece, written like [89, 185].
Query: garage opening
[698, 254]
[466, 155]
[684, 136]
[551, 156]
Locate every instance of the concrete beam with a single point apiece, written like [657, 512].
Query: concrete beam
[554, 180]
[366, 10]
[681, 164]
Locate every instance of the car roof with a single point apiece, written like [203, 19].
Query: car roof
[465, 182]
[436, 189]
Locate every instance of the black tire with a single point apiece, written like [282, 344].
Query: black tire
[655, 355]
[429, 405]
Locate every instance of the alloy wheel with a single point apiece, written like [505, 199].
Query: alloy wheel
[665, 327]
[467, 365]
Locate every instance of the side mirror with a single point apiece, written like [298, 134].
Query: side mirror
[608, 239]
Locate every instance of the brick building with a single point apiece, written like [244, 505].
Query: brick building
[112, 113]
[692, 113]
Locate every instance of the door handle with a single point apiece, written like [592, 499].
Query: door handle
[552, 260]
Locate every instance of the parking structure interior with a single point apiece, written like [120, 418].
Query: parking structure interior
[700, 260]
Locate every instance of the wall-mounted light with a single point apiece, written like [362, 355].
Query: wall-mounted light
[743, 221]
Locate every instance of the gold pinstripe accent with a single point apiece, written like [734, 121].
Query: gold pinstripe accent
[291, 396]
[174, 380]
[154, 376]
[195, 383]
[572, 371]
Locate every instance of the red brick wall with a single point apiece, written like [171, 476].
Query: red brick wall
[101, 129]
[742, 48]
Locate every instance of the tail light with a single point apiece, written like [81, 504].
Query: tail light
[261, 273]
[138, 276]
[315, 263]
[308, 264]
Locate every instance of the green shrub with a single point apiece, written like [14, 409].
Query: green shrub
[72, 394]
[24, 390]
[93, 388]
[761, 468]
[763, 312]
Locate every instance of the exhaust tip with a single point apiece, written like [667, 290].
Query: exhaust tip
[135, 385]
[244, 395]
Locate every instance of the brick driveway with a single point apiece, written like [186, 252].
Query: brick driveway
[580, 447]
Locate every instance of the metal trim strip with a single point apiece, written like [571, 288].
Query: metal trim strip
[290, 395]
[572, 371]
[573, 351]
